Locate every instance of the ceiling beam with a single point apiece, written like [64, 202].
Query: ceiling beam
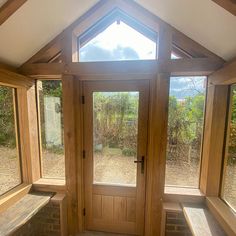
[224, 76]
[9, 8]
[180, 67]
[229, 5]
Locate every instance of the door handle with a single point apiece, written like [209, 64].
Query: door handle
[142, 164]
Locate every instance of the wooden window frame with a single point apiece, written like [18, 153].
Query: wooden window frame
[213, 150]
[192, 191]
[23, 88]
[52, 183]
[17, 135]
[225, 144]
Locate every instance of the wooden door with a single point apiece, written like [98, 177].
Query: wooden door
[115, 137]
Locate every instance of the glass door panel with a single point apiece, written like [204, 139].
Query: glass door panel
[115, 129]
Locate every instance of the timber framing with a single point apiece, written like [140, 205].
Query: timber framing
[59, 60]
[224, 76]
[180, 67]
[181, 44]
[228, 5]
[9, 8]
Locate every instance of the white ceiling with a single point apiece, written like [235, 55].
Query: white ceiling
[37, 22]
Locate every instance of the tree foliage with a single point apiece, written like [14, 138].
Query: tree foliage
[116, 120]
[7, 119]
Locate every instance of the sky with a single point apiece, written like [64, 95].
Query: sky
[123, 36]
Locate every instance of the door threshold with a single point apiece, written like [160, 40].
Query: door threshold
[94, 233]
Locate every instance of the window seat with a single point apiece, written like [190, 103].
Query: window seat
[22, 211]
[200, 220]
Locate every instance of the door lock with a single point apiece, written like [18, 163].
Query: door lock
[142, 164]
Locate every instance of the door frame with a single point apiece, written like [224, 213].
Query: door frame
[157, 132]
[128, 85]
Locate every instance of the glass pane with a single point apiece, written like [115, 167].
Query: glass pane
[112, 44]
[10, 172]
[52, 132]
[185, 129]
[115, 129]
[174, 56]
[229, 175]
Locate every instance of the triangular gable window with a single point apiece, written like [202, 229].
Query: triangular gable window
[117, 37]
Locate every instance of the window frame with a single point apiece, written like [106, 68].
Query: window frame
[17, 135]
[43, 180]
[189, 189]
[225, 145]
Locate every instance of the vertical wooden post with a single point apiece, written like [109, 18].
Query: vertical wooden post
[29, 138]
[79, 151]
[68, 85]
[158, 138]
[157, 152]
[216, 110]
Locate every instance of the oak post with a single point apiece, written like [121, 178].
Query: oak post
[68, 85]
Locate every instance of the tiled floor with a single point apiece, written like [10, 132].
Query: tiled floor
[90, 233]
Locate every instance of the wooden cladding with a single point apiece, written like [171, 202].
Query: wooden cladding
[111, 208]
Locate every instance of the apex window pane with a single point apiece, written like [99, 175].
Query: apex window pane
[229, 172]
[51, 127]
[118, 42]
[185, 131]
[10, 171]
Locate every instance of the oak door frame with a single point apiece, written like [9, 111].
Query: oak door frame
[129, 85]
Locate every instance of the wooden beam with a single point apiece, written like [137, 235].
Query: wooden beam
[29, 137]
[224, 76]
[9, 8]
[188, 46]
[228, 5]
[216, 106]
[48, 52]
[12, 79]
[180, 67]
[68, 85]
[159, 88]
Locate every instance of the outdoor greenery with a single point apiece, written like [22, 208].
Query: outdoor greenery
[116, 121]
[7, 119]
[186, 119]
[232, 130]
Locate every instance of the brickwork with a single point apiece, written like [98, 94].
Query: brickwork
[45, 223]
[176, 225]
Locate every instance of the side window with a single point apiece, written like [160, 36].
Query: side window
[10, 168]
[51, 129]
[185, 131]
[228, 189]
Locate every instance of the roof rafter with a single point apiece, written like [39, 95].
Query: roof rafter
[181, 43]
[228, 5]
[9, 8]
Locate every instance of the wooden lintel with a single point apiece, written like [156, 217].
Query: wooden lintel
[12, 79]
[228, 5]
[9, 8]
[224, 76]
[180, 67]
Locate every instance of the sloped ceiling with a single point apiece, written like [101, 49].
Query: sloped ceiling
[37, 22]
